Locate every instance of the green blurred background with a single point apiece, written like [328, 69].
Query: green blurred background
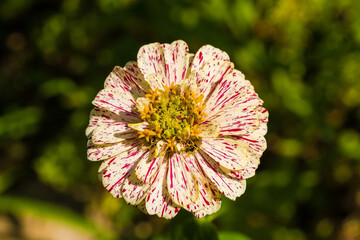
[302, 56]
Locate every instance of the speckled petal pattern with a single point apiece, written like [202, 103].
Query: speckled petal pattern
[176, 130]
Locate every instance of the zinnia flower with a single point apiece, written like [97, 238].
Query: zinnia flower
[176, 130]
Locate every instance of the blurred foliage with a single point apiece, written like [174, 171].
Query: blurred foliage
[302, 57]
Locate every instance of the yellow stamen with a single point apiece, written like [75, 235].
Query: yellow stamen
[146, 134]
[153, 95]
[199, 99]
[152, 110]
[173, 114]
[200, 109]
[171, 143]
[145, 114]
[195, 131]
[172, 89]
[167, 89]
[158, 131]
[201, 117]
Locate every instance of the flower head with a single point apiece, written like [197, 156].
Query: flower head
[176, 130]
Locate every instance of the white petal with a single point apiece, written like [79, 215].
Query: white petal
[113, 100]
[176, 61]
[113, 133]
[117, 169]
[101, 152]
[131, 86]
[147, 168]
[255, 145]
[263, 116]
[254, 142]
[209, 199]
[160, 148]
[189, 60]
[100, 117]
[209, 129]
[243, 115]
[158, 199]
[151, 60]
[238, 121]
[139, 126]
[211, 208]
[248, 171]
[248, 97]
[180, 181]
[207, 53]
[141, 103]
[156, 81]
[226, 92]
[189, 84]
[210, 74]
[133, 71]
[134, 190]
[230, 187]
[228, 153]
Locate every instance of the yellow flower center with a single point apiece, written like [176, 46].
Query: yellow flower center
[173, 115]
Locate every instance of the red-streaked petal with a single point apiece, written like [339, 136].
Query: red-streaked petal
[248, 97]
[105, 151]
[176, 61]
[226, 92]
[100, 117]
[115, 170]
[158, 200]
[180, 181]
[243, 115]
[147, 168]
[239, 121]
[213, 207]
[151, 60]
[207, 53]
[263, 116]
[210, 74]
[209, 199]
[134, 190]
[254, 142]
[133, 71]
[255, 145]
[113, 133]
[230, 187]
[119, 78]
[115, 101]
[248, 171]
[228, 153]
